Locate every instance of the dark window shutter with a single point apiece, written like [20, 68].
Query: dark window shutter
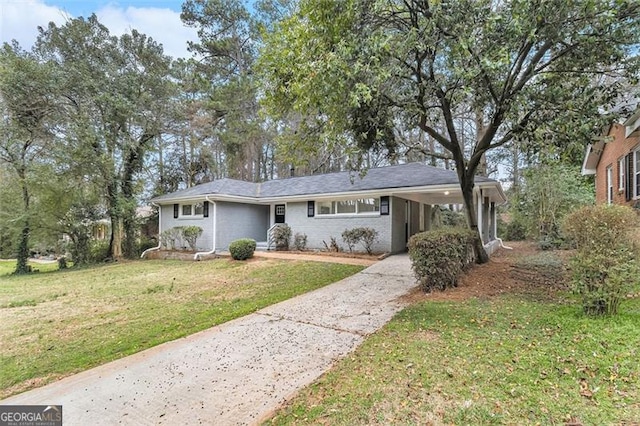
[628, 188]
[205, 209]
[384, 206]
[311, 208]
[176, 210]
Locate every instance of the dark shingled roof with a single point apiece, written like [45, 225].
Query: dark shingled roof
[398, 176]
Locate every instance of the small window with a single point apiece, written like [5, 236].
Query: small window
[621, 177]
[609, 184]
[192, 210]
[280, 210]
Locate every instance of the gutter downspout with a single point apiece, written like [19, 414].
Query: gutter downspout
[159, 232]
[213, 249]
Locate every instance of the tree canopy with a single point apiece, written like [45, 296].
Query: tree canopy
[362, 69]
[28, 128]
[114, 94]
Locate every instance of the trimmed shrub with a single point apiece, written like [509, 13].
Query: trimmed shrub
[171, 238]
[368, 237]
[605, 267]
[333, 245]
[191, 234]
[300, 241]
[365, 236]
[351, 238]
[242, 249]
[440, 256]
[282, 237]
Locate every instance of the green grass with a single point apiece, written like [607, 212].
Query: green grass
[509, 360]
[8, 266]
[58, 323]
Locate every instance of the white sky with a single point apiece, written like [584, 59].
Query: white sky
[159, 19]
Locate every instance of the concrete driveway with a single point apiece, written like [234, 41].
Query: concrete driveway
[239, 372]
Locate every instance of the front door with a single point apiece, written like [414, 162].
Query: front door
[280, 210]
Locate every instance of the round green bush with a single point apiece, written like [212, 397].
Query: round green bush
[439, 256]
[242, 249]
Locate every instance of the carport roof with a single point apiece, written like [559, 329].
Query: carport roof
[406, 176]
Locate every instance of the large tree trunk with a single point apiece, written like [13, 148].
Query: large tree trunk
[128, 224]
[115, 243]
[23, 248]
[130, 236]
[132, 165]
[466, 185]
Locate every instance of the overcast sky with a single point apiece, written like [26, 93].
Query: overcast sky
[159, 19]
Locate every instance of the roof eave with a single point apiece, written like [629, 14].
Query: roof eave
[201, 197]
[362, 193]
[494, 185]
[592, 156]
[632, 119]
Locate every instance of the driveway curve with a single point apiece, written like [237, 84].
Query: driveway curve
[240, 372]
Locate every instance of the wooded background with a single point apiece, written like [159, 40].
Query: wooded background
[94, 125]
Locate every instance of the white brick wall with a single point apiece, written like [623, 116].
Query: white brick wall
[321, 228]
[204, 243]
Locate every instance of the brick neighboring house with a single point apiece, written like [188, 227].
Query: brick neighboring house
[615, 162]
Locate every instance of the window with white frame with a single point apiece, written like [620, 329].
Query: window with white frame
[621, 174]
[348, 207]
[369, 205]
[609, 184]
[192, 210]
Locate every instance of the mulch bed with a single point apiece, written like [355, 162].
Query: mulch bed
[509, 271]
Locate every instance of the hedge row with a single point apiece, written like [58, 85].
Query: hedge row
[605, 267]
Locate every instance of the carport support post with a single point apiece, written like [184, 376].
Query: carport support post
[494, 222]
[487, 220]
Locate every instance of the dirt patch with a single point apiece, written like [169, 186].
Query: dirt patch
[344, 258]
[524, 270]
[319, 256]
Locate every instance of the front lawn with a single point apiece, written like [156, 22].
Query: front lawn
[8, 266]
[516, 358]
[58, 323]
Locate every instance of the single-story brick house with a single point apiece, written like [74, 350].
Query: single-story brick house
[615, 161]
[395, 200]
